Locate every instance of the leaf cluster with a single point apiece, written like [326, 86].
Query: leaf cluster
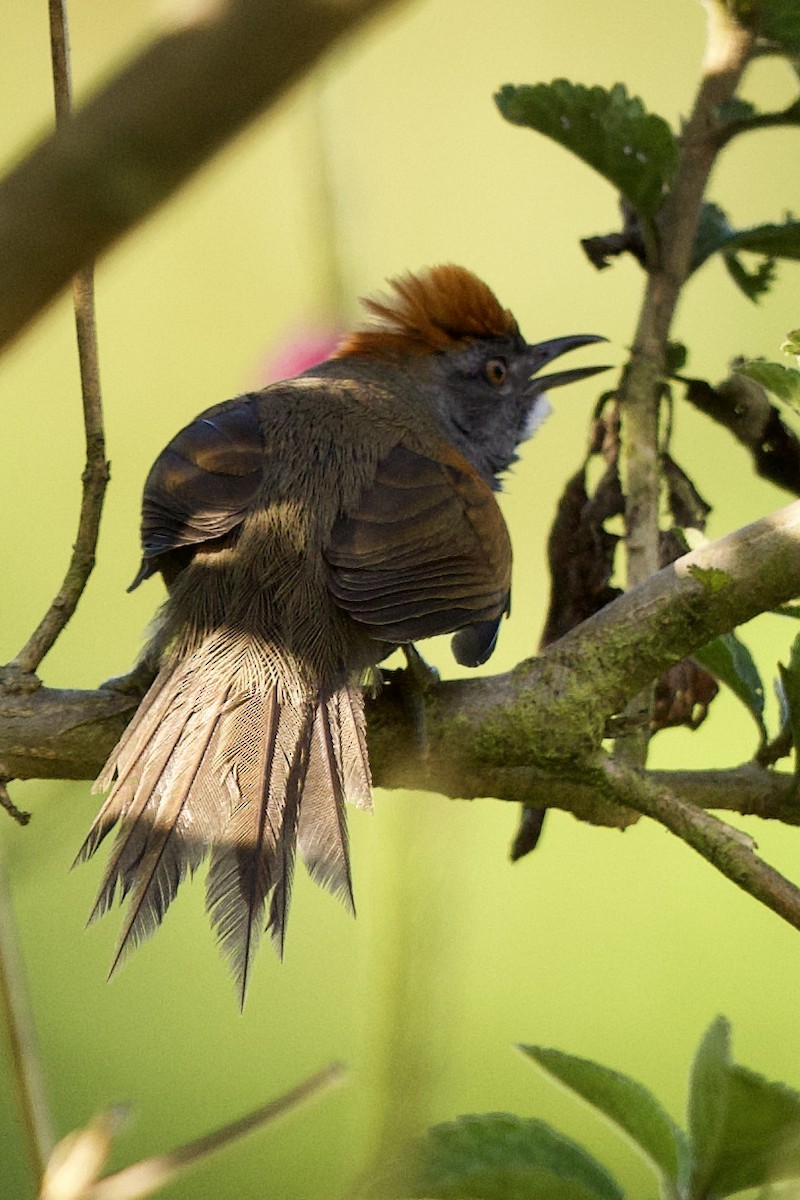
[743, 1132]
[638, 153]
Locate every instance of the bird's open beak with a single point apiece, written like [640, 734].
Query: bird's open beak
[544, 352]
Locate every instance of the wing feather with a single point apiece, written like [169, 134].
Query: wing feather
[426, 551]
[203, 483]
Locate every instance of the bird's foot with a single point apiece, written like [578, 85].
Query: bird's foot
[415, 682]
[136, 682]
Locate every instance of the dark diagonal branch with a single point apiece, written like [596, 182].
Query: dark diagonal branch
[729, 850]
[140, 137]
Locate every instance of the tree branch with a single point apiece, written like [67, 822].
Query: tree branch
[132, 145]
[728, 48]
[729, 850]
[527, 735]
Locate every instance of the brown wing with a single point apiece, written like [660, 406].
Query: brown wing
[202, 484]
[425, 552]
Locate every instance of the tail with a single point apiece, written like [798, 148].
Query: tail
[242, 773]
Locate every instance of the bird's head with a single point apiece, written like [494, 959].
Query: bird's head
[481, 376]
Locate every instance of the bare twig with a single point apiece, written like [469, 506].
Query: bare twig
[142, 135]
[95, 474]
[7, 804]
[17, 1020]
[727, 849]
[147, 1176]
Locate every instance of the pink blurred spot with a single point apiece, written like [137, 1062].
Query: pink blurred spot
[298, 350]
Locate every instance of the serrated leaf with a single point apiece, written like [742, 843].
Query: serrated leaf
[730, 661]
[709, 1085]
[760, 1140]
[783, 382]
[754, 284]
[792, 343]
[716, 234]
[634, 150]
[497, 1156]
[772, 240]
[625, 1102]
[790, 696]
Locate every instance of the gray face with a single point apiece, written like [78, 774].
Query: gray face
[489, 401]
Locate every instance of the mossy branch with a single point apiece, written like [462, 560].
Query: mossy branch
[500, 735]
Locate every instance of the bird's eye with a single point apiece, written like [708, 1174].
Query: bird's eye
[495, 371]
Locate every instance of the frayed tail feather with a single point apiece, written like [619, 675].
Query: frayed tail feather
[249, 778]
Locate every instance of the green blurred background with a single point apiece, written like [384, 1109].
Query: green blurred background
[620, 948]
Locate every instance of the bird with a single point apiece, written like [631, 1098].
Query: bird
[304, 531]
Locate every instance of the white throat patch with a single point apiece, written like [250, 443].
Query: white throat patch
[537, 414]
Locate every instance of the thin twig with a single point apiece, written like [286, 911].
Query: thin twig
[17, 1020]
[95, 474]
[727, 849]
[145, 1177]
[7, 804]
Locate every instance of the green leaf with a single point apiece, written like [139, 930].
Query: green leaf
[775, 241]
[780, 696]
[790, 697]
[754, 284]
[783, 382]
[792, 343]
[788, 610]
[625, 1102]
[735, 110]
[780, 23]
[497, 1156]
[716, 235]
[713, 230]
[676, 358]
[745, 1129]
[731, 661]
[708, 1103]
[634, 150]
[761, 1138]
